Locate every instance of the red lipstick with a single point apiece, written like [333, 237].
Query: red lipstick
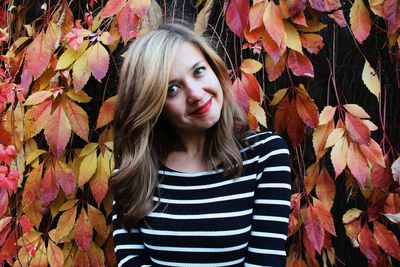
[203, 109]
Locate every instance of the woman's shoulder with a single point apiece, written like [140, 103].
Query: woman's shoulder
[265, 140]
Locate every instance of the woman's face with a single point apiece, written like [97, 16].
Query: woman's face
[194, 98]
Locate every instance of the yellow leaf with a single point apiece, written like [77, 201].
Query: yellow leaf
[326, 115]
[96, 22]
[339, 155]
[80, 71]
[65, 224]
[293, 38]
[78, 96]
[202, 18]
[371, 80]
[68, 205]
[250, 66]
[351, 215]
[312, 26]
[70, 55]
[278, 96]
[40, 258]
[88, 149]
[87, 168]
[55, 255]
[258, 112]
[334, 136]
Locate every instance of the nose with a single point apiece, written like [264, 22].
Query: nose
[194, 92]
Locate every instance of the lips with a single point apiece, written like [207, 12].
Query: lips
[203, 108]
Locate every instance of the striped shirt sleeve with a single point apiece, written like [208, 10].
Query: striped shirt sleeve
[271, 206]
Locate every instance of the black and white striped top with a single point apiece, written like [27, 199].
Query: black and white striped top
[207, 220]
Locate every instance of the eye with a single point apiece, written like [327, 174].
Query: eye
[199, 71]
[172, 90]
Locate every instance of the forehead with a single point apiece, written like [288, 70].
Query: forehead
[187, 55]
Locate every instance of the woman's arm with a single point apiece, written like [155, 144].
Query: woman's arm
[128, 246]
[271, 206]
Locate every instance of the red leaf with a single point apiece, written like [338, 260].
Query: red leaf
[49, 187]
[36, 119]
[127, 23]
[241, 95]
[98, 61]
[111, 8]
[273, 22]
[300, 64]
[83, 231]
[295, 126]
[307, 110]
[314, 229]
[360, 20]
[26, 225]
[325, 216]
[325, 5]
[357, 130]
[65, 176]
[3, 202]
[58, 131]
[368, 245]
[274, 50]
[392, 204]
[325, 188]
[373, 152]
[339, 18]
[81, 259]
[281, 116]
[237, 16]
[382, 176]
[312, 42]
[275, 69]
[251, 86]
[98, 221]
[357, 163]
[309, 248]
[391, 10]
[140, 7]
[106, 113]
[256, 15]
[78, 119]
[386, 240]
[38, 55]
[296, 6]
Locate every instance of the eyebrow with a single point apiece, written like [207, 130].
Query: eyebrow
[195, 65]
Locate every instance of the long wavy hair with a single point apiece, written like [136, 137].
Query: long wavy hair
[143, 138]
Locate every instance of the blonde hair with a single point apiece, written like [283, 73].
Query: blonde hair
[141, 136]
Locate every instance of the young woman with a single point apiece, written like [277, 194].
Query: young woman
[193, 186]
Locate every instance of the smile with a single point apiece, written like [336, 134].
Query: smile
[203, 109]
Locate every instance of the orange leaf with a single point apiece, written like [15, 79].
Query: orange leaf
[83, 231]
[254, 35]
[300, 19]
[55, 255]
[78, 119]
[237, 16]
[357, 130]
[65, 176]
[296, 6]
[273, 22]
[36, 119]
[278, 96]
[334, 137]
[39, 258]
[250, 66]
[253, 123]
[326, 115]
[386, 240]
[256, 15]
[300, 64]
[241, 95]
[392, 204]
[357, 163]
[314, 229]
[307, 110]
[96, 255]
[258, 112]
[311, 177]
[325, 189]
[353, 229]
[325, 5]
[251, 86]
[356, 111]
[127, 23]
[312, 42]
[274, 50]
[275, 69]
[281, 116]
[368, 245]
[320, 136]
[49, 187]
[373, 153]
[295, 126]
[111, 8]
[339, 155]
[58, 131]
[31, 187]
[382, 176]
[81, 259]
[98, 60]
[65, 223]
[38, 55]
[38, 97]
[98, 221]
[325, 216]
[99, 182]
[351, 215]
[360, 20]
